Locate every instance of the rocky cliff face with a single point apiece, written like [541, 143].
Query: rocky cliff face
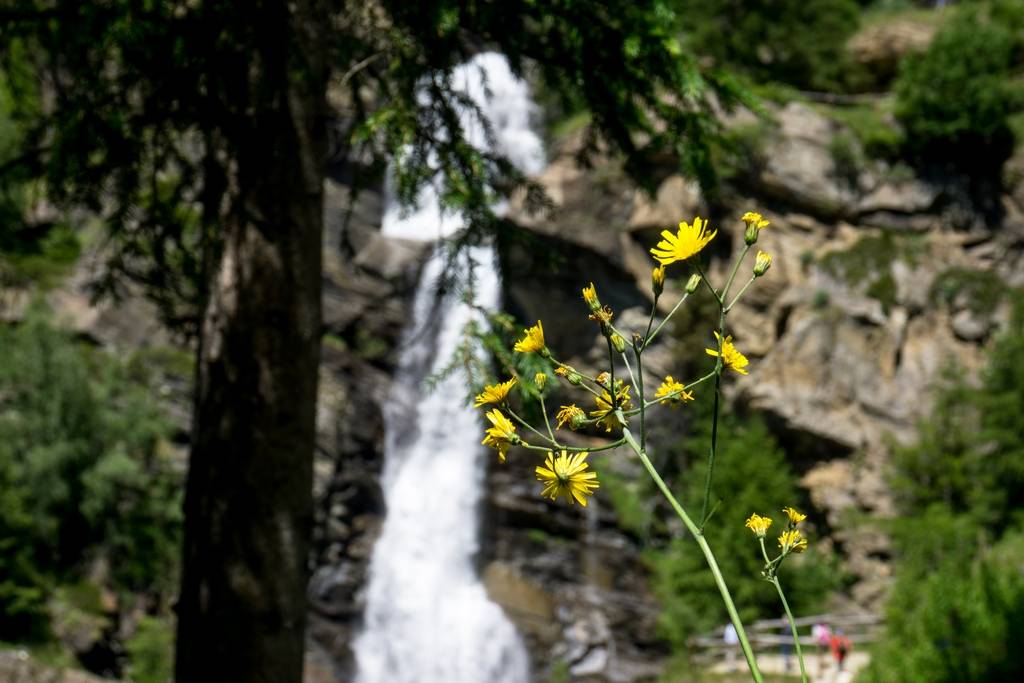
[881, 279]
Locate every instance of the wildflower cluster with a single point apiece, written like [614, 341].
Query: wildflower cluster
[616, 399]
[791, 540]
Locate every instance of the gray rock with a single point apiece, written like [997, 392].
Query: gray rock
[970, 325]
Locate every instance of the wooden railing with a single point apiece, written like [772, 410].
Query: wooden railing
[774, 633]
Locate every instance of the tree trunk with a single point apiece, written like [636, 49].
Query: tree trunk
[248, 503]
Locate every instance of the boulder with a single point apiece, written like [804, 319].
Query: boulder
[880, 46]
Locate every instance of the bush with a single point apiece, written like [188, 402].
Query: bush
[151, 652]
[82, 473]
[955, 98]
[956, 612]
[799, 42]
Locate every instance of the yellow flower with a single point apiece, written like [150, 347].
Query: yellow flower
[758, 524]
[794, 516]
[670, 386]
[730, 356]
[566, 475]
[687, 241]
[571, 414]
[792, 541]
[755, 223]
[561, 371]
[605, 412]
[755, 219]
[532, 341]
[762, 263]
[501, 435]
[541, 380]
[494, 393]
[590, 296]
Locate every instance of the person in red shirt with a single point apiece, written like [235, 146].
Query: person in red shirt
[840, 646]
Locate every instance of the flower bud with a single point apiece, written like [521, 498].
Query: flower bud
[762, 263]
[658, 280]
[574, 378]
[619, 343]
[578, 420]
[693, 283]
[540, 379]
[750, 235]
[590, 296]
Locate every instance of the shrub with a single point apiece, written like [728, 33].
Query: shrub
[799, 42]
[956, 612]
[954, 99]
[151, 652]
[82, 472]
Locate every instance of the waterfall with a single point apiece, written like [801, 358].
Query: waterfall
[428, 618]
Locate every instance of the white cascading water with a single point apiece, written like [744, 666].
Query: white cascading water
[428, 618]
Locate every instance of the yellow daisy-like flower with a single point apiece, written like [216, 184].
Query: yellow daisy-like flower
[670, 386]
[758, 524]
[566, 475]
[532, 341]
[494, 393]
[501, 435]
[792, 541]
[687, 241]
[571, 414]
[730, 356]
[794, 516]
[755, 219]
[605, 412]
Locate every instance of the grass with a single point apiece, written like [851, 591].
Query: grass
[871, 124]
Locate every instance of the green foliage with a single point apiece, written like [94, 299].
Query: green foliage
[959, 621]
[870, 125]
[151, 651]
[954, 99]
[799, 42]
[982, 290]
[957, 610]
[751, 475]
[81, 469]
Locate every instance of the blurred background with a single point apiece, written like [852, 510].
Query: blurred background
[883, 139]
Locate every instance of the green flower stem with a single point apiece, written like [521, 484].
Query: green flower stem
[770, 567]
[792, 628]
[629, 369]
[719, 366]
[650, 337]
[547, 421]
[741, 293]
[732, 275]
[650, 320]
[707, 283]
[640, 395]
[698, 536]
[574, 449]
[526, 424]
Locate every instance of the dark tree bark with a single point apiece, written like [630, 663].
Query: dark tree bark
[248, 505]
